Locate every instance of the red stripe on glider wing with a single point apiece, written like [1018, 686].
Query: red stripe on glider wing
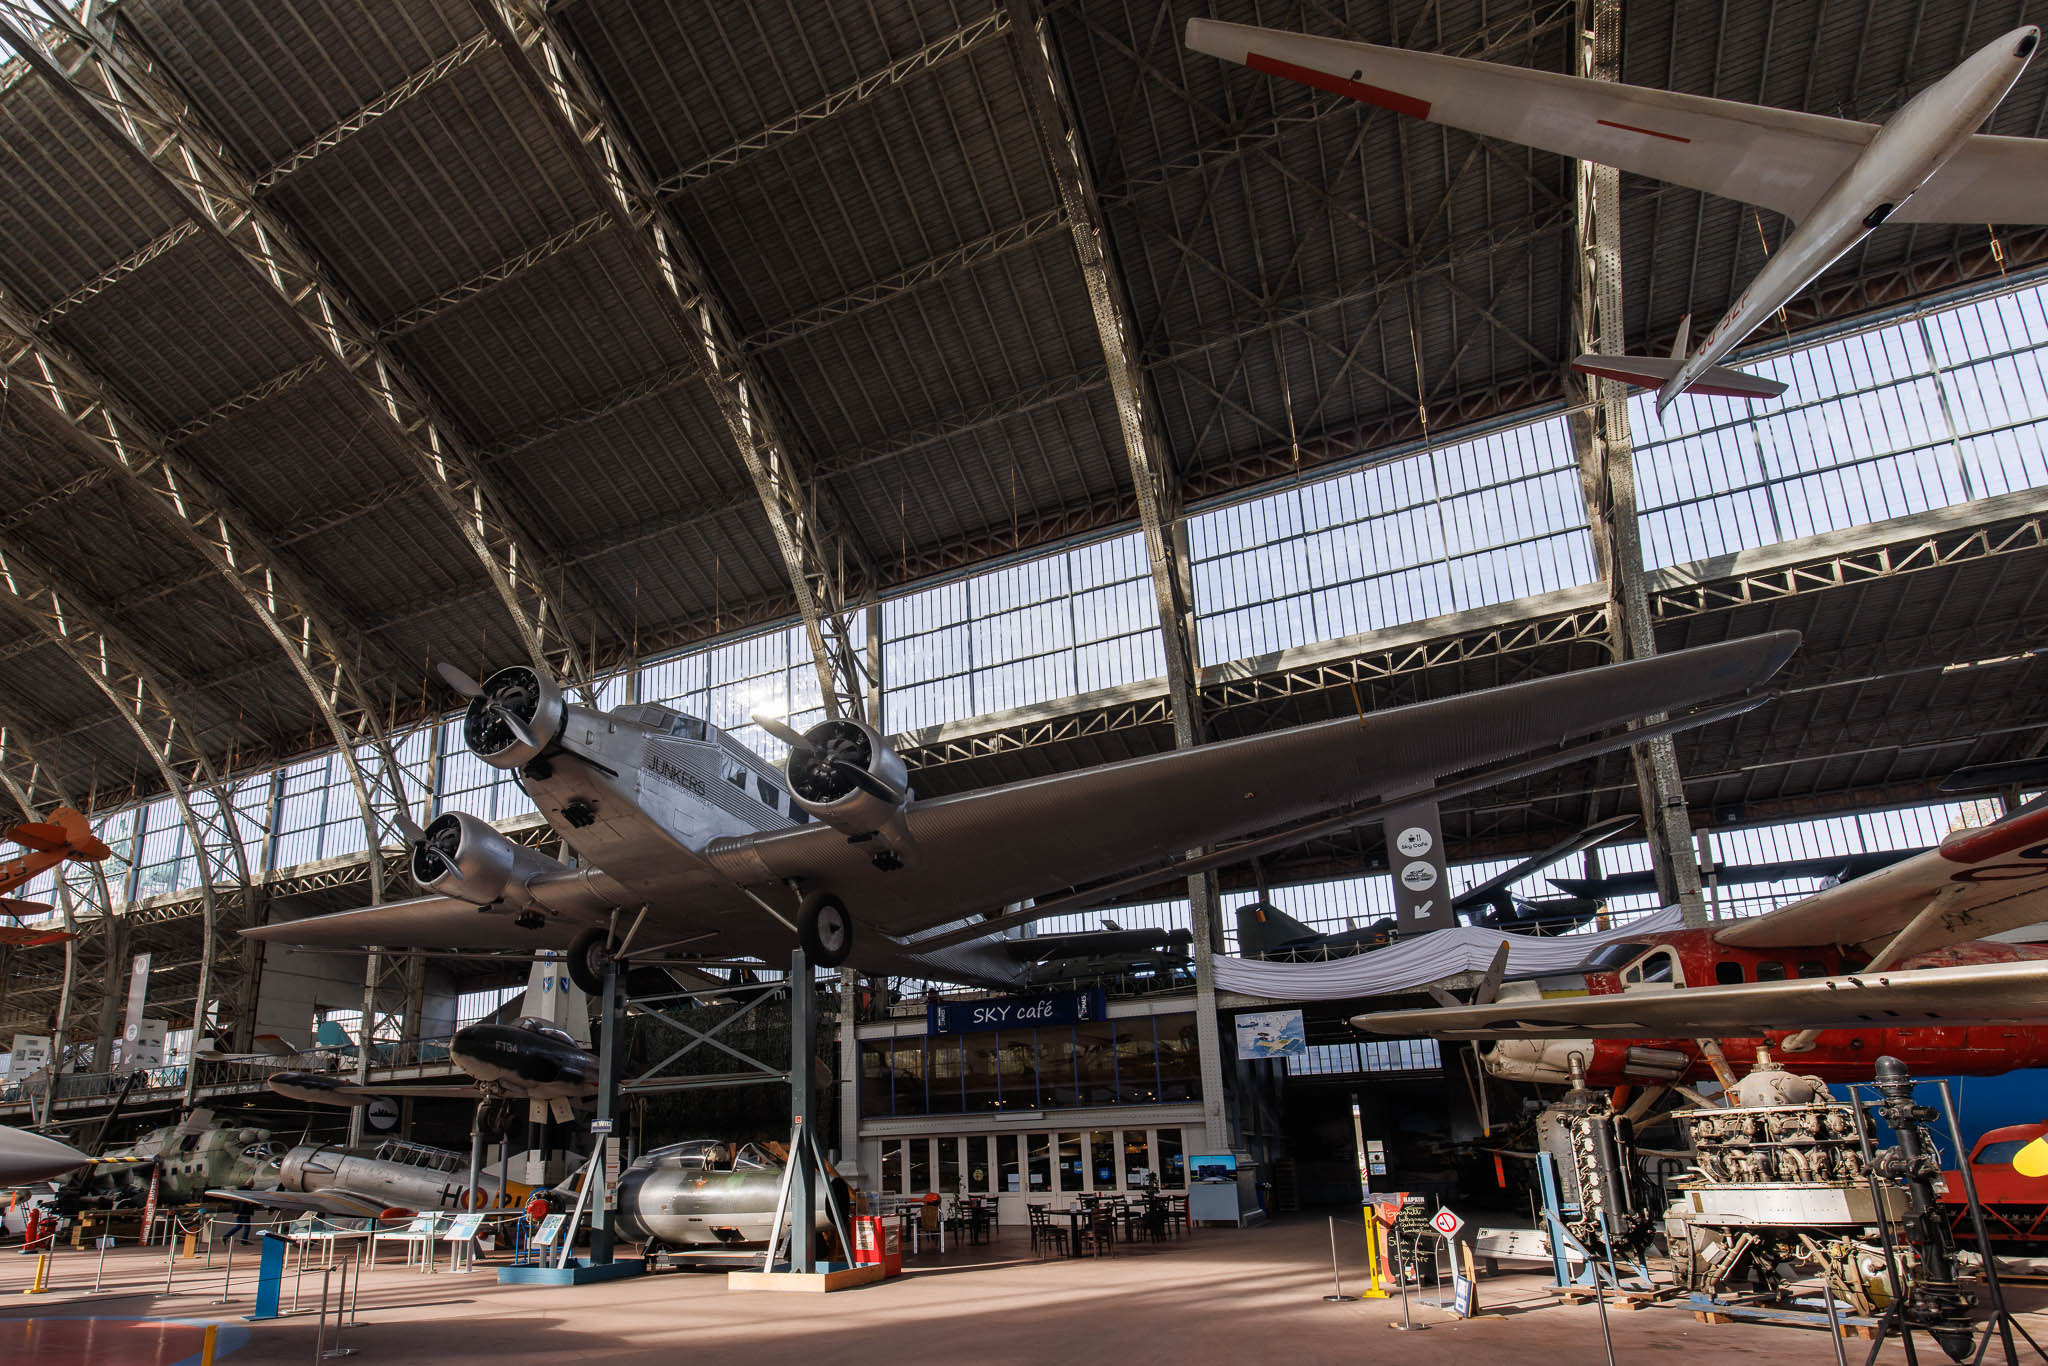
[1646, 132]
[1337, 85]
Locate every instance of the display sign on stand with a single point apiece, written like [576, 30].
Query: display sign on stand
[550, 1229]
[463, 1227]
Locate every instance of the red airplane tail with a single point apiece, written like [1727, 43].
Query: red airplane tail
[66, 833]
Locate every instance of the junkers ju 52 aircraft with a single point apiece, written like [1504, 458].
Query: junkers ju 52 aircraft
[689, 843]
[1895, 962]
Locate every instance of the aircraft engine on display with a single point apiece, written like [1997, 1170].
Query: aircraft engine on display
[513, 718]
[462, 856]
[1780, 1184]
[701, 1194]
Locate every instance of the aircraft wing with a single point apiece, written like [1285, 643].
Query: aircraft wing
[979, 851]
[324, 1088]
[1778, 158]
[1977, 994]
[332, 1201]
[1983, 881]
[439, 922]
[1991, 180]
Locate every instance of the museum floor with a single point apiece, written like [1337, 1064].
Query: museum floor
[1223, 1295]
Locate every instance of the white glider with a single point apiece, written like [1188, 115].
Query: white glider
[1837, 179]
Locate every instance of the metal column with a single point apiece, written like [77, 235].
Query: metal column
[607, 1107]
[1600, 432]
[803, 1052]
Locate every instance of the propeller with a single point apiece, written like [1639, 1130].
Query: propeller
[458, 680]
[468, 687]
[830, 758]
[440, 846]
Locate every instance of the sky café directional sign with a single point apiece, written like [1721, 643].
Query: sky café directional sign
[1016, 1012]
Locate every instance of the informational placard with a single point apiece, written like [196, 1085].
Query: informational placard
[611, 1170]
[422, 1225]
[1271, 1034]
[1376, 1156]
[1016, 1012]
[462, 1228]
[549, 1230]
[1461, 1296]
[1415, 856]
[31, 1054]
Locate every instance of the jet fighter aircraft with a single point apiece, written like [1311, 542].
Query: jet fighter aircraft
[687, 842]
[1895, 962]
[372, 1181]
[1837, 179]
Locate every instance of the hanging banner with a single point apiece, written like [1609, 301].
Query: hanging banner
[1016, 1012]
[143, 1047]
[131, 1028]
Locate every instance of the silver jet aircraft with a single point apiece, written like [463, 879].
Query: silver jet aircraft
[689, 843]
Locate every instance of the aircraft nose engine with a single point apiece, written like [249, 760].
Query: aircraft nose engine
[514, 716]
[462, 856]
[847, 776]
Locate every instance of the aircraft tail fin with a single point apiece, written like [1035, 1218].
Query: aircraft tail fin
[328, 1034]
[1652, 372]
[21, 910]
[1263, 927]
[551, 996]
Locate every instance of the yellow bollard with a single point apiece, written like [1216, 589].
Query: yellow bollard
[206, 1344]
[42, 1275]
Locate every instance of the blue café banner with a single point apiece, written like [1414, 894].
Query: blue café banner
[1016, 1012]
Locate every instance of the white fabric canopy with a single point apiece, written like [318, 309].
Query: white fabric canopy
[1412, 964]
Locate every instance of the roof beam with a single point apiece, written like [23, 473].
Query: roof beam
[935, 53]
[1153, 480]
[103, 68]
[818, 564]
[33, 368]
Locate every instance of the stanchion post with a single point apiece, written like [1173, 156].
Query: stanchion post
[1600, 1292]
[320, 1334]
[170, 1259]
[1336, 1275]
[100, 1267]
[1407, 1323]
[227, 1282]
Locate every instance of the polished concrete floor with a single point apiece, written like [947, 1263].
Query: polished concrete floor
[1221, 1295]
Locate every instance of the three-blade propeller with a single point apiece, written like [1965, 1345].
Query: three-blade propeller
[468, 687]
[830, 757]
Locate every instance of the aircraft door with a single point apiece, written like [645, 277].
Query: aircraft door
[1657, 970]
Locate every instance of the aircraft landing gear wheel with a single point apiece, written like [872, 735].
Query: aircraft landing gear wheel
[589, 956]
[824, 930]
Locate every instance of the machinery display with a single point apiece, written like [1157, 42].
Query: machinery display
[1784, 1187]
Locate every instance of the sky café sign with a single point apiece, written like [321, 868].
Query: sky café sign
[1016, 1012]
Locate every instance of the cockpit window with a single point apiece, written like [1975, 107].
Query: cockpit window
[770, 793]
[1658, 965]
[686, 728]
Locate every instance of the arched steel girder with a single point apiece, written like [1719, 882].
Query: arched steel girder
[113, 666]
[818, 563]
[34, 367]
[107, 73]
[24, 778]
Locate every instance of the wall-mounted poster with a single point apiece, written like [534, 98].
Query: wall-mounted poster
[1271, 1034]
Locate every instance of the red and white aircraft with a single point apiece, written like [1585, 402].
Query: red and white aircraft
[1837, 179]
[1894, 962]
